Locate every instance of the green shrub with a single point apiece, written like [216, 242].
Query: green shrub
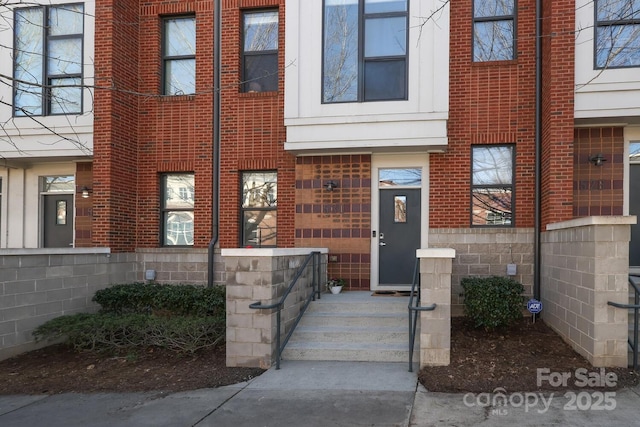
[112, 332]
[147, 298]
[492, 302]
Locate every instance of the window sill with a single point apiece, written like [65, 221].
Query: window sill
[249, 95]
[505, 63]
[176, 98]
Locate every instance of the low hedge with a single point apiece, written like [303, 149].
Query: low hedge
[492, 302]
[182, 318]
[112, 332]
[148, 298]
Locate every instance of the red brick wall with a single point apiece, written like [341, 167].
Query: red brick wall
[490, 103]
[557, 110]
[598, 190]
[115, 125]
[84, 211]
[175, 132]
[253, 131]
[340, 219]
[140, 134]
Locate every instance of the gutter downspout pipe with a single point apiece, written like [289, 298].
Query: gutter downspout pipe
[217, 67]
[538, 154]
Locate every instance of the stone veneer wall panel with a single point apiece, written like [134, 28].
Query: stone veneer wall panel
[585, 265]
[485, 252]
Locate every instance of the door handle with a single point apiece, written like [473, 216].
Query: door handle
[382, 244]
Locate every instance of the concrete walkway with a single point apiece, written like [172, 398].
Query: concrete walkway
[321, 394]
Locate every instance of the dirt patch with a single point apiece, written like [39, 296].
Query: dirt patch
[484, 361]
[480, 362]
[58, 369]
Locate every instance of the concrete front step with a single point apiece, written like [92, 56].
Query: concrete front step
[356, 352]
[353, 326]
[354, 334]
[315, 318]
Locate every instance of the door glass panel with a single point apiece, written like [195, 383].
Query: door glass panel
[61, 212]
[634, 152]
[400, 208]
[411, 177]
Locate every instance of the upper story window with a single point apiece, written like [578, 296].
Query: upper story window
[492, 185]
[179, 56]
[260, 51]
[178, 201]
[365, 50]
[47, 65]
[617, 33]
[493, 30]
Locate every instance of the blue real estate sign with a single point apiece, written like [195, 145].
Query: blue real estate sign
[534, 306]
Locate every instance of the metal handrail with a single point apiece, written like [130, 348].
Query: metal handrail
[413, 311]
[636, 317]
[316, 291]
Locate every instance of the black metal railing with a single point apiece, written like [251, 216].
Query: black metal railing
[316, 292]
[634, 281]
[414, 309]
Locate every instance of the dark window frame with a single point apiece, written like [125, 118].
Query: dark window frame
[245, 86]
[497, 18]
[166, 59]
[604, 24]
[243, 237]
[362, 59]
[164, 210]
[511, 187]
[46, 86]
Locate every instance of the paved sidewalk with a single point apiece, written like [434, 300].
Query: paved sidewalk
[315, 394]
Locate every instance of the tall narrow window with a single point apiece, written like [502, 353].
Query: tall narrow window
[493, 30]
[259, 208]
[617, 33]
[179, 56]
[492, 185]
[260, 51]
[47, 65]
[177, 209]
[365, 50]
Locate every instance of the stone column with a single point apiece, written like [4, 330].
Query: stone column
[435, 287]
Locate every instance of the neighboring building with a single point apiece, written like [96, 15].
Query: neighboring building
[372, 128]
[46, 146]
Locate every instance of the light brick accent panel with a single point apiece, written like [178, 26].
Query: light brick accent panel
[485, 252]
[585, 265]
[435, 287]
[37, 285]
[263, 275]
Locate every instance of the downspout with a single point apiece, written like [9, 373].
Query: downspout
[538, 154]
[217, 67]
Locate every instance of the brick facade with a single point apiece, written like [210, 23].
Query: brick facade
[339, 220]
[598, 190]
[490, 103]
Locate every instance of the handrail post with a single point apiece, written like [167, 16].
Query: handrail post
[636, 301]
[278, 316]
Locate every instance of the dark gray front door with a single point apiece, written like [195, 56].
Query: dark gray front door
[58, 221]
[399, 235]
[634, 209]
